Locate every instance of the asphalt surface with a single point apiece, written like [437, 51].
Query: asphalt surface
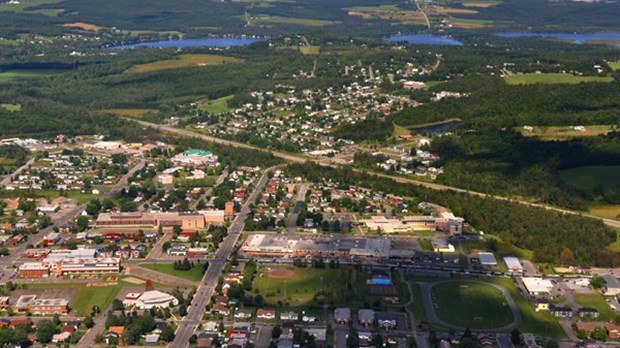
[187, 326]
[302, 159]
[300, 198]
[7, 179]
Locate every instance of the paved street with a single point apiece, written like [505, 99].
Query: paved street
[7, 179]
[300, 198]
[194, 314]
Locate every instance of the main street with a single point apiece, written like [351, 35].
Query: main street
[187, 326]
[399, 179]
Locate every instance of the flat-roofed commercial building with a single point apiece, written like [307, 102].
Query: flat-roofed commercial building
[33, 270]
[187, 221]
[49, 306]
[98, 265]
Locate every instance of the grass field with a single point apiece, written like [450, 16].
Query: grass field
[615, 65]
[400, 130]
[426, 244]
[301, 286]
[553, 133]
[194, 274]
[135, 113]
[310, 50]
[609, 211]
[616, 246]
[466, 23]
[185, 61]
[596, 301]
[16, 75]
[553, 78]
[306, 22]
[481, 4]
[592, 176]
[388, 12]
[23, 7]
[11, 107]
[458, 303]
[88, 296]
[215, 106]
[51, 194]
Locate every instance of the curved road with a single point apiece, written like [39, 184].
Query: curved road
[432, 315]
[302, 159]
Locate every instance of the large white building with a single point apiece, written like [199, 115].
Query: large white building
[150, 298]
[537, 286]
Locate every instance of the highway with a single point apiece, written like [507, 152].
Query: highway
[187, 326]
[398, 179]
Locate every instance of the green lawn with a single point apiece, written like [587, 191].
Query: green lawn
[300, 288]
[426, 244]
[459, 303]
[51, 194]
[16, 75]
[596, 301]
[306, 22]
[552, 133]
[592, 176]
[24, 7]
[215, 106]
[552, 78]
[88, 296]
[615, 65]
[184, 61]
[11, 107]
[195, 274]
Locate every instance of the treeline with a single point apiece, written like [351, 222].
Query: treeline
[369, 129]
[544, 232]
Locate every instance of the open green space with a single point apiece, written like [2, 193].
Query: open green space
[471, 304]
[591, 177]
[215, 106]
[11, 107]
[596, 301]
[553, 78]
[299, 287]
[134, 113]
[426, 244]
[87, 297]
[17, 75]
[194, 274]
[185, 61]
[615, 65]
[25, 7]
[551, 133]
[81, 197]
[306, 22]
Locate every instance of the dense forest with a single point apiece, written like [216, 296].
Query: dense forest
[544, 232]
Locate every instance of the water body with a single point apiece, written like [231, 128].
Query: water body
[424, 39]
[220, 42]
[575, 38]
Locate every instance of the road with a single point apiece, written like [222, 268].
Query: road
[187, 326]
[7, 179]
[420, 338]
[299, 200]
[398, 179]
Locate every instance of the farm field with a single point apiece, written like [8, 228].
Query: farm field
[184, 61]
[466, 23]
[609, 211]
[564, 132]
[591, 177]
[83, 26]
[458, 303]
[388, 12]
[552, 78]
[215, 106]
[310, 50]
[306, 22]
[135, 113]
[11, 107]
[596, 301]
[297, 286]
[15, 75]
[194, 274]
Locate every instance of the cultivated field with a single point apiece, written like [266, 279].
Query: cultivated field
[459, 303]
[592, 176]
[297, 286]
[14, 75]
[389, 12]
[481, 4]
[564, 132]
[553, 78]
[135, 113]
[83, 26]
[25, 7]
[306, 22]
[451, 10]
[310, 50]
[185, 61]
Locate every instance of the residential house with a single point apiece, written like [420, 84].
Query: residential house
[366, 317]
[289, 316]
[542, 304]
[561, 312]
[586, 312]
[387, 320]
[267, 314]
[342, 315]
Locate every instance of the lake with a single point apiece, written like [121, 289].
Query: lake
[424, 39]
[220, 42]
[572, 37]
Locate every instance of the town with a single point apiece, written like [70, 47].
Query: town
[115, 243]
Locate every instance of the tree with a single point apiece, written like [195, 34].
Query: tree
[82, 223]
[599, 333]
[353, 338]
[89, 322]
[377, 341]
[597, 281]
[182, 310]
[45, 331]
[276, 331]
[167, 334]
[515, 337]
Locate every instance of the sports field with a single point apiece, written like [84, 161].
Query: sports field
[185, 61]
[87, 296]
[553, 78]
[592, 176]
[471, 304]
[297, 286]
